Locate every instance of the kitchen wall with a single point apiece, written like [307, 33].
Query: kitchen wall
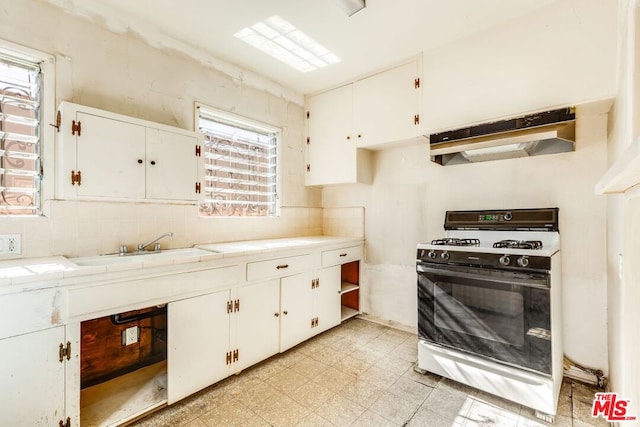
[119, 72]
[623, 217]
[562, 54]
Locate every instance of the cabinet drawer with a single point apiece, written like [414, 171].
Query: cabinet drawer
[278, 267]
[340, 256]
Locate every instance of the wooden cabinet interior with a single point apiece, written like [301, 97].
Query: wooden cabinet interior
[350, 294]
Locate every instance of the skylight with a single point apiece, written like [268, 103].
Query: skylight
[280, 39]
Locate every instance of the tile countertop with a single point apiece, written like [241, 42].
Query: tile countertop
[33, 273]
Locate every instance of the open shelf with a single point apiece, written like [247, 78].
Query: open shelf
[348, 287]
[124, 398]
[347, 313]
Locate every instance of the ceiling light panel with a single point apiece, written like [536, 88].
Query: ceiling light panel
[283, 41]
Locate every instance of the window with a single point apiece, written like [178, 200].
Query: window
[20, 131]
[240, 165]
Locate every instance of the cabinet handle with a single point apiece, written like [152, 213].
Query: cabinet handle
[359, 136]
[285, 312]
[139, 161]
[343, 254]
[276, 314]
[282, 266]
[153, 162]
[348, 137]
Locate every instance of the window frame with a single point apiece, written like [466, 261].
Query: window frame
[233, 117]
[47, 117]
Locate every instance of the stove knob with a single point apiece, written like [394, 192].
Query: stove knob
[505, 260]
[508, 216]
[523, 261]
[432, 254]
[445, 256]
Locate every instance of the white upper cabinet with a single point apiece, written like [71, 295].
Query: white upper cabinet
[107, 156]
[343, 124]
[386, 107]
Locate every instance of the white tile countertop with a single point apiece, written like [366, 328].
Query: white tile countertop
[33, 273]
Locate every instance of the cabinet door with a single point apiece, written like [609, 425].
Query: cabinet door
[198, 340]
[296, 310]
[258, 323]
[171, 165]
[385, 105]
[32, 379]
[327, 298]
[110, 156]
[331, 152]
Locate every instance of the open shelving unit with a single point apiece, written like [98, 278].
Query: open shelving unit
[350, 290]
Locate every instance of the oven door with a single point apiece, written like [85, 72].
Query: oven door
[502, 315]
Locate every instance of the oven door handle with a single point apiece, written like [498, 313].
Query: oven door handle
[530, 282]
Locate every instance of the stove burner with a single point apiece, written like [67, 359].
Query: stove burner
[456, 242]
[518, 244]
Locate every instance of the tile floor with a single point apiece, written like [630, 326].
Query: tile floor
[358, 374]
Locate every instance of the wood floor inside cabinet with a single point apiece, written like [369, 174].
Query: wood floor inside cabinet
[125, 398]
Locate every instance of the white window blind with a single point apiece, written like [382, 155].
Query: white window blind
[20, 94]
[240, 165]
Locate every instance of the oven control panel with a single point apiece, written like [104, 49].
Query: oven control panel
[483, 259]
[495, 217]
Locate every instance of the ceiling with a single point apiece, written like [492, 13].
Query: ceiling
[385, 33]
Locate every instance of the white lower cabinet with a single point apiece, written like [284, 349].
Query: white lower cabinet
[33, 378]
[198, 331]
[310, 304]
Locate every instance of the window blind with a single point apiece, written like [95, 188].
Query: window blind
[20, 173]
[240, 167]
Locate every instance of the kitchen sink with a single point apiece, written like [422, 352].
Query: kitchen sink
[168, 256]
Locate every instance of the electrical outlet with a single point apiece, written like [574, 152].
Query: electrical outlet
[10, 244]
[130, 335]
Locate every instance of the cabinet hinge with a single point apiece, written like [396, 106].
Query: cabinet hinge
[66, 423]
[198, 151]
[236, 355]
[76, 178]
[308, 114]
[229, 306]
[314, 322]
[416, 83]
[65, 351]
[228, 358]
[308, 140]
[76, 127]
[308, 168]
[317, 321]
[58, 121]
[416, 119]
[313, 283]
[236, 305]
[198, 187]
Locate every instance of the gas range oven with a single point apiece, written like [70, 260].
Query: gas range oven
[489, 304]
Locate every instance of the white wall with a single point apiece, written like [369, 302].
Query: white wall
[123, 74]
[624, 219]
[560, 55]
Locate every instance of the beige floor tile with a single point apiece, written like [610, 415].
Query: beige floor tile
[446, 384]
[410, 390]
[582, 412]
[394, 408]
[309, 347]
[265, 369]
[528, 419]
[448, 403]
[347, 344]
[427, 379]
[366, 354]
[380, 377]
[565, 405]
[334, 379]
[257, 394]
[282, 410]
[194, 423]
[340, 411]
[353, 366]
[371, 419]
[327, 355]
[229, 414]
[362, 393]
[583, 393]
[408, 352]
[287, 380]
[499, 402]
[428, 418]
[291, 357]
[394, 364]
[384, 344]
[313, 420]
[485, 414]
[311, 395]
[310, 367]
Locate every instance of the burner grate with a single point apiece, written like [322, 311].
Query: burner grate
[456, 242]
[518, 244]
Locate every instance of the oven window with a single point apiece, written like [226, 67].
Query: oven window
[489, 314]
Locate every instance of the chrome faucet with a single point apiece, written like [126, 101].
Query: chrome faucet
[156, 247]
